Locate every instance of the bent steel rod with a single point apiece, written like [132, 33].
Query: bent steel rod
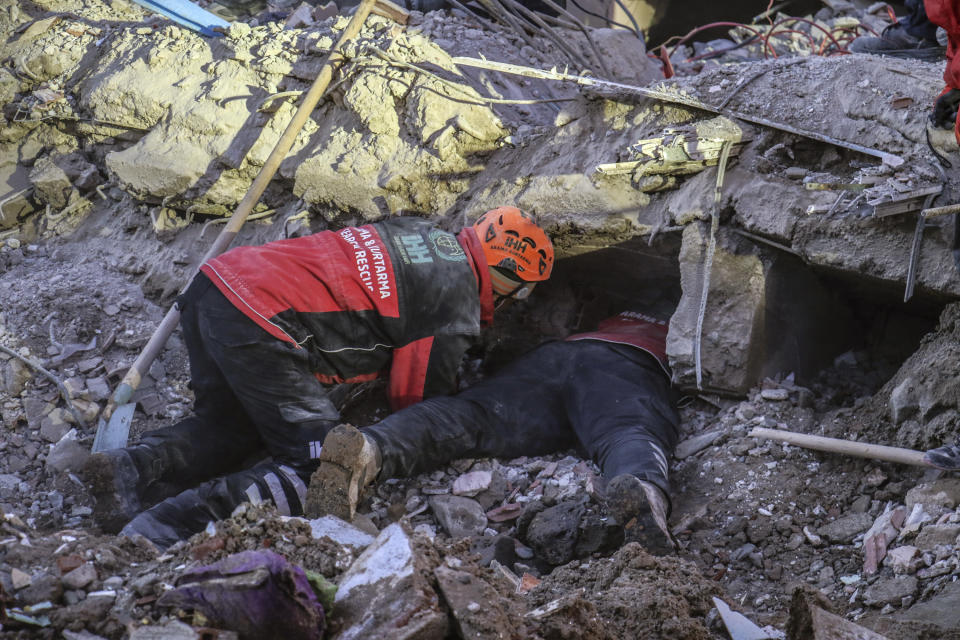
[674, 97]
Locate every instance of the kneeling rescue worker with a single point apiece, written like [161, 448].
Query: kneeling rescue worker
[269, 329]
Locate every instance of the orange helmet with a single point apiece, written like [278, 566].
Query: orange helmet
[513, 241]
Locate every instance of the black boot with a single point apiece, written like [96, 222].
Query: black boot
[642, 508]
[897, 42]
[117, 484]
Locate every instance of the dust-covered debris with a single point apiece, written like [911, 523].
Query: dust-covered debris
[125, 139]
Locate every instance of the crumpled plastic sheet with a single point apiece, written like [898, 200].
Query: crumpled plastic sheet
[258, 594]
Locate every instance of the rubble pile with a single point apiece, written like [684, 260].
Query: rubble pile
[126, 139]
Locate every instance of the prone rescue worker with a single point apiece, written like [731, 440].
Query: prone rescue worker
[268, 329]
[608, 391]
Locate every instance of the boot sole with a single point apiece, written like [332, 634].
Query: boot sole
[629, 504]
[336, 485]
[108, 478]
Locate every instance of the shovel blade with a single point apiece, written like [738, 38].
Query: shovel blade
[114, 434]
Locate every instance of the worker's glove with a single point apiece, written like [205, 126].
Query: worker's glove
[944, 113]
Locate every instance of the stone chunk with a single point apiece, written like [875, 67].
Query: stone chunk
[461, 517]
[51, 183]
[67, 454]
[944, 492]
[80, 577]
[553, 532]
[385, 594]
[942, 612]
[890, 591]
[473, 603]
[470, 484]
[55, 425]
[902, 559]
[43, 588]
[934, 534]
[697, 443]
[343, 533]
[845, 528]
[19, 579]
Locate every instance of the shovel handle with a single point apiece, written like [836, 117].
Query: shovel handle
[845, 447]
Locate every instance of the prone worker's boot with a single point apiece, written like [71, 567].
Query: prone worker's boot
[629, 497]
[349, 461]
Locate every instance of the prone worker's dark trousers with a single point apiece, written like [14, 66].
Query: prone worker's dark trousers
[614, 400]
[255, 397]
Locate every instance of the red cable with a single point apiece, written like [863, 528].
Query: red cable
[717, 24]
[812, 24]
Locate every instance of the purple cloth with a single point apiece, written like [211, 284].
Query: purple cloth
[258, 594]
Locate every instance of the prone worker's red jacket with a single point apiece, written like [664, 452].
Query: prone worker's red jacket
[635, 329]
[398, 295]
[946, 13]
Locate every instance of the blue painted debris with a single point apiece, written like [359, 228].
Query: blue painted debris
[187, 14]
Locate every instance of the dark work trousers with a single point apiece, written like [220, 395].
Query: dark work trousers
[255, 396]
[614, 400]
[917, 23]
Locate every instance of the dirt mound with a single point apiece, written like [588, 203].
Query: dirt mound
[637, 595]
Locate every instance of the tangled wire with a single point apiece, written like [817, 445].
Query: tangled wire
[821, 40]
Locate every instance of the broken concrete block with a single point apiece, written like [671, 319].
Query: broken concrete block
[159, 166]
[944, 492]
[14, 375]
[904, 403]
[80, 577]
[845, 528]
[742, 341]
[890, 591]
[731, 342]
[473, 604]
[9, 85]
[343, 533]
[472, 483]
[385, 594]
[552, 533]
[941, 613]
[98, 388]
[902, 559]
[934, 534]
[50, 183]
[67, 454]
[460, 516]
[55, 425]
[19, 579]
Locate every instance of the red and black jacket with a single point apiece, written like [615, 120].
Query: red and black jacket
[400, 295]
